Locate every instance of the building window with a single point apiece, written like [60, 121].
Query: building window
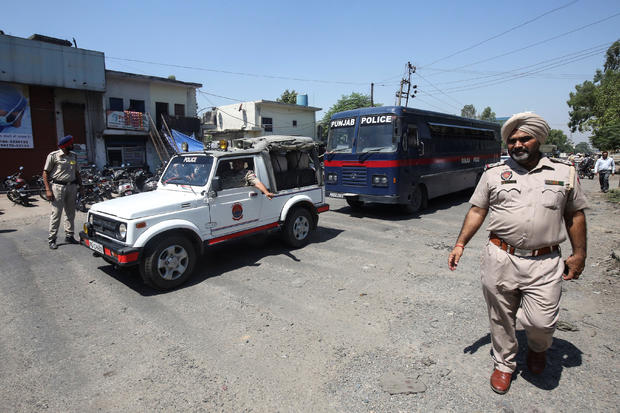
[116, 104]
[136, 105]
[179, 110]
[294, 123]
[267, 124]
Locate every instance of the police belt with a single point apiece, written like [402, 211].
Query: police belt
[521, 252]
[64, 183]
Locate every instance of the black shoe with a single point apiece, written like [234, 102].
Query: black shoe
[53, 245]
[71, 240]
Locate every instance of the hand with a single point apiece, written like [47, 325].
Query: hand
[575, 265]
[455, 256]
[269, 195]
[49, 194]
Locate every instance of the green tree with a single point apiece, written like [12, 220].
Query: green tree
[468, 111]
[583, 147]
[560, 140]
[352, 101]
[595, 105]
[487, 114]
[288, 97]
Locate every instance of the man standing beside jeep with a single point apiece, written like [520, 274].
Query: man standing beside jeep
[61, 176]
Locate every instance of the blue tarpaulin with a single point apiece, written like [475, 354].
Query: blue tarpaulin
[179, 138]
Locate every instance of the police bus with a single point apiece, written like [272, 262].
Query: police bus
[406, 156]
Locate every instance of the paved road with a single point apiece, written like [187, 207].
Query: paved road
[264, 328]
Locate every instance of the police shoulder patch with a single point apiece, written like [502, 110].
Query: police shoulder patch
[493, 165]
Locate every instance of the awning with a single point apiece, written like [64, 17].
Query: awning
[180, 138]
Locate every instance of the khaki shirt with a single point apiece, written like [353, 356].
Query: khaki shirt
[527, 207]
[61, 167]
[236, 179]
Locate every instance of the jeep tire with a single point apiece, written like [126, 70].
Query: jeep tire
[168, 262]
[297, 227]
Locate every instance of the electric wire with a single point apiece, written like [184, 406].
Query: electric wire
[504, 32]
[540, 42]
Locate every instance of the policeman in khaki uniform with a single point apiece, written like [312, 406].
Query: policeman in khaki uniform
[530, 199]
[239, 176]
[61, 175]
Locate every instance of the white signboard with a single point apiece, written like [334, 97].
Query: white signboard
[15, 121]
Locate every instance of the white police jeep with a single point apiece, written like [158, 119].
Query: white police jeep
[164, 232]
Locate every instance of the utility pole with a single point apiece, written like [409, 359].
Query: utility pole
[410, 69]
[372, 92]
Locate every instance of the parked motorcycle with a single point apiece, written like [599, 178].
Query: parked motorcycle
[38, 182]
[17, 187]
[585, 169]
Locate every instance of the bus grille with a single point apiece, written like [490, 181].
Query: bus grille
[354, 176]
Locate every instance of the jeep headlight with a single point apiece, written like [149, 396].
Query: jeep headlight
[90, 219]
[122, 231]
[379, 180]
[332, 178]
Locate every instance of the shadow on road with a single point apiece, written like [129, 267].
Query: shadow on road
[392, 212]
[220, 259]
[6, 231]
[561, 354]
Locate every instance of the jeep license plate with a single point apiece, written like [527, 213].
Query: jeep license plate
[335, 195]
[95, 246]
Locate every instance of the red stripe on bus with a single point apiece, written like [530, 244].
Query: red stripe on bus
[394, 163]
[241, 233]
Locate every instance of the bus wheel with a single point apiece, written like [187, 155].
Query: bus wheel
[417, 200]
[355, 203]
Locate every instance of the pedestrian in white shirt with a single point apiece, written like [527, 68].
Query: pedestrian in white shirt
[604, 167]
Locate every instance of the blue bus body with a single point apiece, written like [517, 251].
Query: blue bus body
[399, 155]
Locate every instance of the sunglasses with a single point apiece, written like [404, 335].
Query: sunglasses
[522, 139]
[13, 114]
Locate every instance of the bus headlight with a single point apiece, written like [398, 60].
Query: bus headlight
[122, 231]
[379, 180]
[332, 178]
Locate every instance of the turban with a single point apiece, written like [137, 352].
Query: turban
[527, 122]
[66, 141]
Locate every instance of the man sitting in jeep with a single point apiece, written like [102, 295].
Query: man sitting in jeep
[239, 175]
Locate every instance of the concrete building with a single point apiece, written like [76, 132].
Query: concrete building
[48, 89]
[257, 118]
[127, 100]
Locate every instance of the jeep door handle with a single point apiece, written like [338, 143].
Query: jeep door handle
[253, 194]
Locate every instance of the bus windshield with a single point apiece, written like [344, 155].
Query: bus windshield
[376, 134]
[341, 132]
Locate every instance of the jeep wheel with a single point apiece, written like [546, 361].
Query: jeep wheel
[297, 227]
[169, 262]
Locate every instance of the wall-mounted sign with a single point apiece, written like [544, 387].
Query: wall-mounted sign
[15, 121]
[127, 120]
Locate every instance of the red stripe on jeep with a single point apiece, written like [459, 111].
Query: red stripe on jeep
[241, 233]
[131, 257]
[322, 208]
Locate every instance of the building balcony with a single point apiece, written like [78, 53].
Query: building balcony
[127, 120]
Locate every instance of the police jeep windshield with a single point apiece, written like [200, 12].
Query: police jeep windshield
[376, 134]
[341, 133]
[191, 170]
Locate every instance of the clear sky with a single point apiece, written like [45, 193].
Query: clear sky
[511, 56]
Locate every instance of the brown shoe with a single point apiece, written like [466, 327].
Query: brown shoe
[500, 381]
[536, 362]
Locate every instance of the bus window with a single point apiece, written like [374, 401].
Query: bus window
[412, 136]
[377, 133]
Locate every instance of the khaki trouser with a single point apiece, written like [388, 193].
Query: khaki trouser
[64, 198]
[523, 288]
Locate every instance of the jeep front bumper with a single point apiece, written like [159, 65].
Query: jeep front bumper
[112, 252]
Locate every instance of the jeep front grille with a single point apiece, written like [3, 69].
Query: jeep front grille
[354, 176]
[105, 226]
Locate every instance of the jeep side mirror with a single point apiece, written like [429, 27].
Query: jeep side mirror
[216, 186]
